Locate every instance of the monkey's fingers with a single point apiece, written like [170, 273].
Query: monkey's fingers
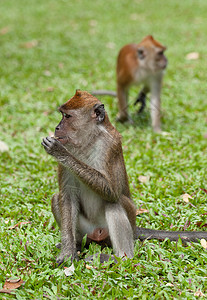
[103, 258]
[64, 257]
[48, 143]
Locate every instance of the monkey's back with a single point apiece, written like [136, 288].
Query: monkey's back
[127, 64]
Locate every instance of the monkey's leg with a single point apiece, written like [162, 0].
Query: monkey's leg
[120, 230]
[68, 212]
[56, 212]
[155, 106]
[122, 94]
[56, 208]
[142, 99]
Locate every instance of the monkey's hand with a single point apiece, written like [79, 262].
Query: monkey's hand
[54, 148]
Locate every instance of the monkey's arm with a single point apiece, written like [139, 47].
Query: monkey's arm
[94, 179]
[104, 93]
[193, 236]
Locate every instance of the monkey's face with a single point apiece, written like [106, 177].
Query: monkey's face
[152, 58]
[71, 127]
[79, 127]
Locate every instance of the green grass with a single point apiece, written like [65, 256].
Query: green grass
[75, 46]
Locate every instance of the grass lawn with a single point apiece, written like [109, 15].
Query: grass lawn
[48, 49]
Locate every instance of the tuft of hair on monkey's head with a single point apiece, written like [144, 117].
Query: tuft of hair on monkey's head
[148, 41]
[81, 99]
[86, 101]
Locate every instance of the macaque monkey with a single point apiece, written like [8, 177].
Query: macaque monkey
[94, 196]
[142, 63]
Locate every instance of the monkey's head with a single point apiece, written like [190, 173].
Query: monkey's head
[151, 54]
[83, 116]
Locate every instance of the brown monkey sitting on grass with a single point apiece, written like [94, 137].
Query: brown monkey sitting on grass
[94, 196]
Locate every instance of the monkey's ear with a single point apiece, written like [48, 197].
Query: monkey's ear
[99, 112]
[140, 52]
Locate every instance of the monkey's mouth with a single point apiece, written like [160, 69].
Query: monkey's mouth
[62, 139]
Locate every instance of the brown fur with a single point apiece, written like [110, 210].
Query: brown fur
[94, 196]
[93, 189]
[137, 64]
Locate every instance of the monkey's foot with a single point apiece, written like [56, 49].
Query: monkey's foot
[103, 258]
[142, 99]
[157, 129]
[58, 245]
[63, 257]
[123, 119]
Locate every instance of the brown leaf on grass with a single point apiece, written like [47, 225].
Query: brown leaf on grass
[4, 30]
[110, 45]
[50, 89]
[61, 65]
[93, 23]
[186, 197]
[88, 267]
[47, 73]
[19, 224]
[134, 17]
[31, 44]
[205, 191]
[6, 291]
[143, 179]
[199, 224]
[198, 293]
[141, 211]
[11, 284]
[192, 56]
[204, 243]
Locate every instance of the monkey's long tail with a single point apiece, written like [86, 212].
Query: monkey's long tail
[104, 93]
[187, 236]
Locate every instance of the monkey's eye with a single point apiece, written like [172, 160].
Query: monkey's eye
[141, 53]
[160, 53]
[67, 116]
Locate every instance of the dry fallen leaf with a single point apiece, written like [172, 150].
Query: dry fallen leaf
[134, 17]
[110, 45]
[6, 291]
[141, 211]
[19, 224]
[61, 65]
[198, 293]
[11, 284]
[31, 44]
[93, 23]
[3, 147]
[50, 89]
[186, 197]
[165, 133]
[169, 284]
[192, 55]
[88, 267]
[4, 30]
[144, 179]
[205, 190]
[47, 73]
[69, 271]
[204, 243]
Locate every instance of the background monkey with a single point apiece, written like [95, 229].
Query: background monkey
[144, 64]
[94, 194]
